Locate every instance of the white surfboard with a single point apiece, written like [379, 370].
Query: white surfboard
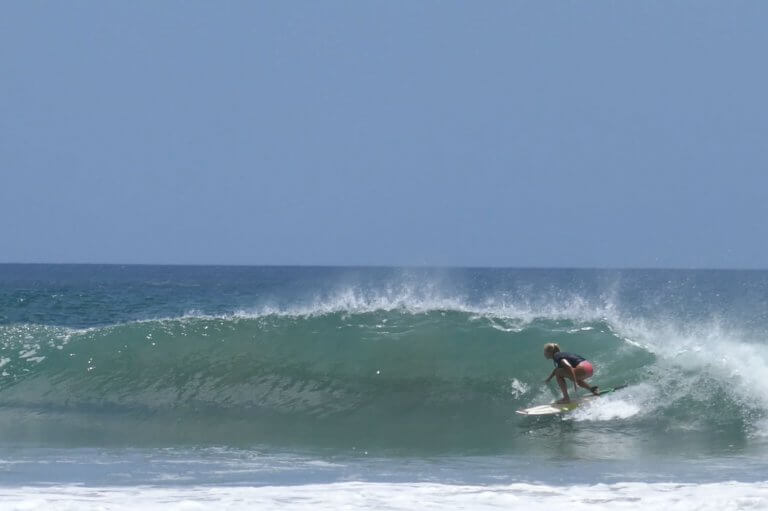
[553, 408]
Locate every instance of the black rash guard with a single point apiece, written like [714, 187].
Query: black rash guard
[572, 359]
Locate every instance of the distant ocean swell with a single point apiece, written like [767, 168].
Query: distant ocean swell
[442, 376]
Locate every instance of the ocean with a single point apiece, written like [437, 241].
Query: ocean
[212, 387]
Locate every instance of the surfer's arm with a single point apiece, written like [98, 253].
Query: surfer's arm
[551, 375]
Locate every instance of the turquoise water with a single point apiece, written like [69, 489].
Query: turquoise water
[377, 375]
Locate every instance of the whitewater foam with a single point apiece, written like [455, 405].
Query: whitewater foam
[693, 358]
[605, 409]
[721, 496]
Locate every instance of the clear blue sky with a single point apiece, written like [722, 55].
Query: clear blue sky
[599, 133]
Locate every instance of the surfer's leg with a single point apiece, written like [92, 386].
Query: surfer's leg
[563, 387]
[581, 376]
[592, 388]
[583, 384]
[584, 371]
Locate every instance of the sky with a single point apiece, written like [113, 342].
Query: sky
[426, 133]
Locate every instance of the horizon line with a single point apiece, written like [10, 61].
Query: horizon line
[395, 266]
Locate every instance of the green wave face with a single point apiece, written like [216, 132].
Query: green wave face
[439, 381]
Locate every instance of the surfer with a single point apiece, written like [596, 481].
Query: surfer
[569, 365]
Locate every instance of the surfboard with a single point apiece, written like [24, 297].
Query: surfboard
[553, 408]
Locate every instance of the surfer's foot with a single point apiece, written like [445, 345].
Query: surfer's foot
[595, 390]
[563, 401]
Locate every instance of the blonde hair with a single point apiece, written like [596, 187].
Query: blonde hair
[551, 347]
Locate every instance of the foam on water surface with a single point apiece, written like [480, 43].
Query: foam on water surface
[722, 496]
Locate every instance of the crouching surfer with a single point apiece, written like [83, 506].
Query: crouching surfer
[571, 366]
